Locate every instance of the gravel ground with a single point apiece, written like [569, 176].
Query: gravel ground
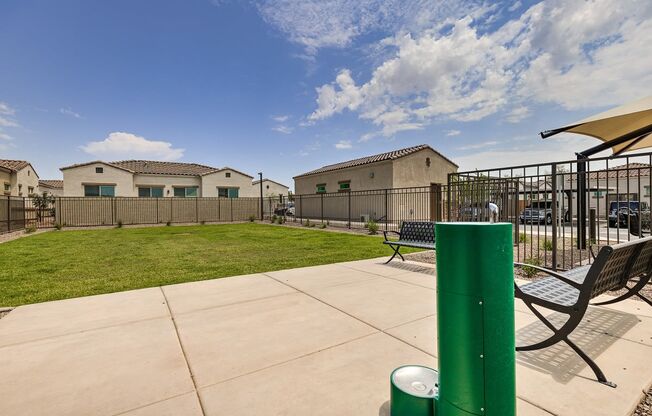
[645, 407]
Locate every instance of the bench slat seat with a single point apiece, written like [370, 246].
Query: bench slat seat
[570, 292]
[416, 234]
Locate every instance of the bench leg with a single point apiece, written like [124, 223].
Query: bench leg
[396, 249]
[631, 291]
[561, 334]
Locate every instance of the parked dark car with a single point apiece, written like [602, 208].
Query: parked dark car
[619, 211]
[285, 210]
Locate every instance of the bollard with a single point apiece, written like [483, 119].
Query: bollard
[475, 317]
[413, 390]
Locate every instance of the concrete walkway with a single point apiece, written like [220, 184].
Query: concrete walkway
[314, 341]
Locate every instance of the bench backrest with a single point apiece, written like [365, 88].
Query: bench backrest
[418, 231]
[615, 265]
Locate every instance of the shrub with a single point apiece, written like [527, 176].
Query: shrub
[30, 229]
[273, 219]
[307, 223]
[547, 245]
[328, 223]
[313, 225]
[202, 222]
[252, 218]
[279, 220]
[372, 226]
[530, 272]
[119, 224]
[322, 226]
[58, 226]
[522, 238]
[169, 223]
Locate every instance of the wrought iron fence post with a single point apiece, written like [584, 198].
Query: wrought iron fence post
[8, 214]
[349, 198]
[386, 211]
[555, 216]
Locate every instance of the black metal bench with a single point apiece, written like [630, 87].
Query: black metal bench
[570, 292]
[417, 234]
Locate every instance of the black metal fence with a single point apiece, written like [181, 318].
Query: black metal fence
[387, 207]
[12, 214]
[562, 209]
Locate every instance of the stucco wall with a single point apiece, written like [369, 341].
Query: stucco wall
[360, 177]
[412, 170]
[27, 178]
[5, 178]
[211, 182]
[270, 189]
[74, 180]
[51, 191]
[168, 182]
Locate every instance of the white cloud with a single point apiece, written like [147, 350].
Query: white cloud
[7, 116]
[4, 136]
[577, 54]
[120, 145]
[6, 110]
[451, 133]
[69, 112]
[343, 144]
[283, 129]
[518, 114]
[478, 145]
[281, 118]
[316, 24]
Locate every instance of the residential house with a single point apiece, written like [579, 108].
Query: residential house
[410, 167]
[18, 178]
[147, 178]
[404, 184]
[53, 187]
[270, 188]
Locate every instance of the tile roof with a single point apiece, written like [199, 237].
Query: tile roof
[630, 170]
[164, 168]
[154, 167]
[269, 180]
[13, 165]
[51, 183]
[393, 155]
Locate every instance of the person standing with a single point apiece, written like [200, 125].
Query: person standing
[493, 212]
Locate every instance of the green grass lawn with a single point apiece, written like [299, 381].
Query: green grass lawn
[66, 264]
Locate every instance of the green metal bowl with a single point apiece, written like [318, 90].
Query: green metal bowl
[414, 389]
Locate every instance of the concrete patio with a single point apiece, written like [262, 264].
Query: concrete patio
[313, 341]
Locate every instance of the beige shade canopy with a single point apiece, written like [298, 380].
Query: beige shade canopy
[623, 128]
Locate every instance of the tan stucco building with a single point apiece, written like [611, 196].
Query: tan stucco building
[410, 167]
[53, 187]
[146, 178]
[270, 188]
[18, 178]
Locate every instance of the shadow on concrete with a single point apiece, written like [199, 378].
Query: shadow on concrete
[599, 330]
[411, 267]
[384, 409]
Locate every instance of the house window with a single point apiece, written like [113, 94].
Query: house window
[227, 192]
[7, 187]
[345, 186]
[185, 192]
[99, 190]
[647, 191]
[28, 172]
[267, 186]
[99, 170]
[150, 192]
[228, 174]
[30, 190]
[321, 188]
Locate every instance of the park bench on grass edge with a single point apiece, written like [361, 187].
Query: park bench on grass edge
[417, 234]
[570, 292]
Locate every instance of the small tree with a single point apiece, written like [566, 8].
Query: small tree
[43, 203]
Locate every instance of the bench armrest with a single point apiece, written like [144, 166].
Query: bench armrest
[551, 273]
[390, 231]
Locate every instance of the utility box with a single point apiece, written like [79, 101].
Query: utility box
[475, 317]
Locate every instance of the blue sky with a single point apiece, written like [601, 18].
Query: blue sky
[285, 86]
